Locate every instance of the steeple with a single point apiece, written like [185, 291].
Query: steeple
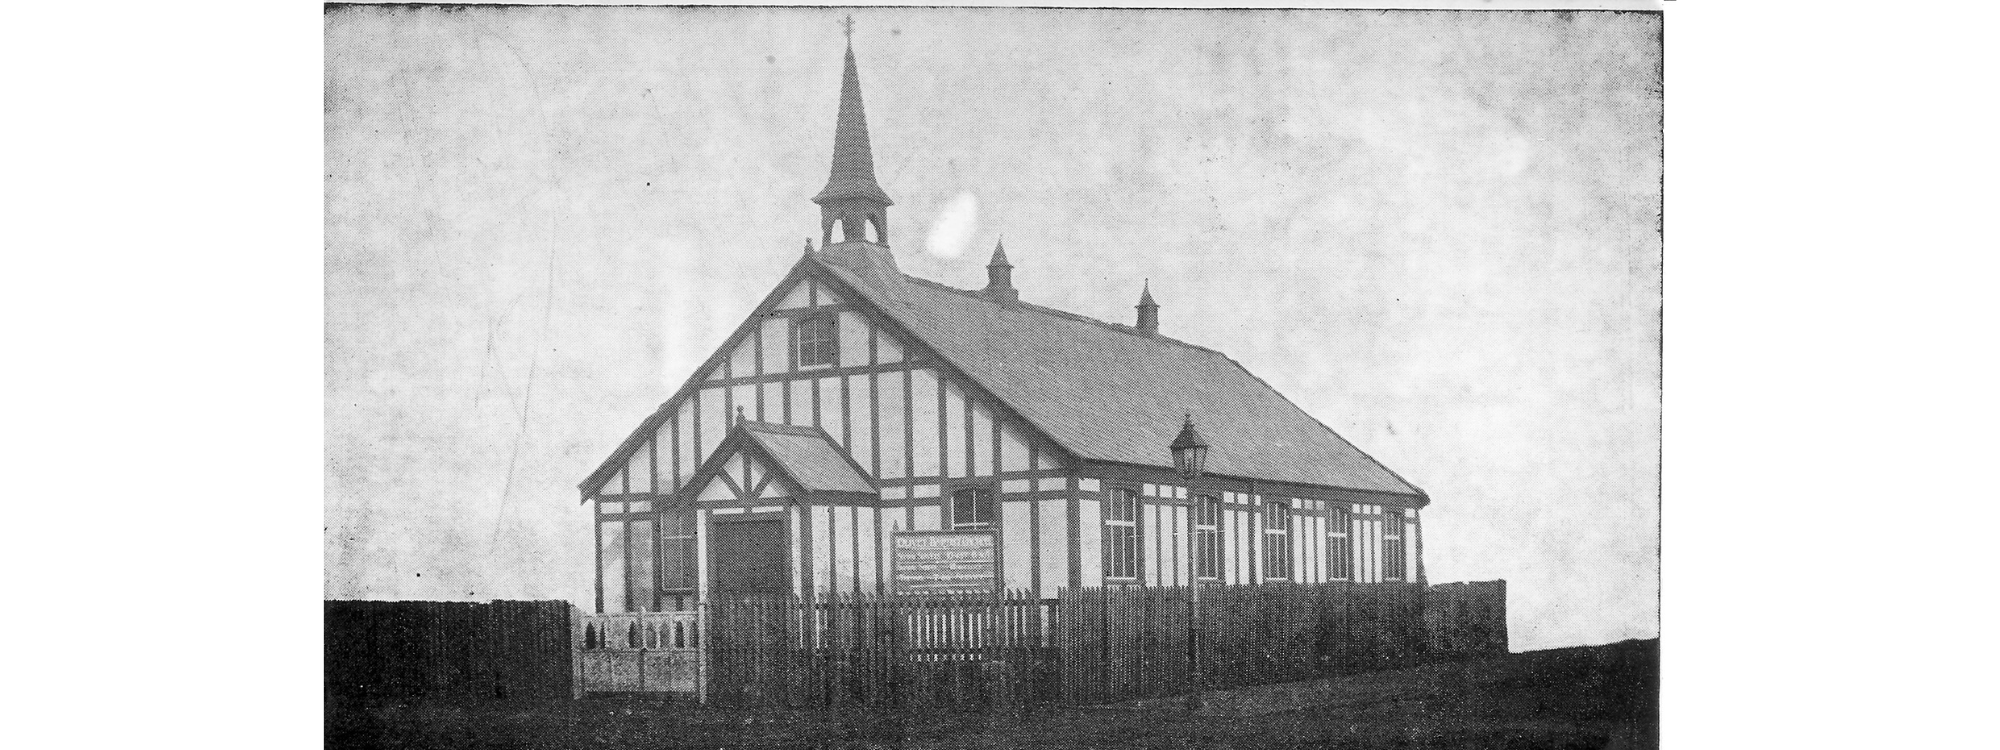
[1000, 275]
[1149, 311]
[851, 197]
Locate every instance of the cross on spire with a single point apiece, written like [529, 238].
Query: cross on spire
[849, 24]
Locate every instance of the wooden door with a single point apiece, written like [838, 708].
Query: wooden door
[750, 557]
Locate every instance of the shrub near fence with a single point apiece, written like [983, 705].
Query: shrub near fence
[1090, 645]
[451, 650]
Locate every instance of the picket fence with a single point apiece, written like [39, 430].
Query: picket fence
[1087, 646]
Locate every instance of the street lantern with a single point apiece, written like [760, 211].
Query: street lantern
[1190, 451]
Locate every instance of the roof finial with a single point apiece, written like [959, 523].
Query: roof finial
[1149, 311]
[1000, 275]
[809, 245]
[849, 23]
[739, 415]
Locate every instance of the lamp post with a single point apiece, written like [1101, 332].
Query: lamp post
[1190, 455]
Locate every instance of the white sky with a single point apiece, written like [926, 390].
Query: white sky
[1436, 232]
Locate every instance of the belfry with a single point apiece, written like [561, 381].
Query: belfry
[851, 199]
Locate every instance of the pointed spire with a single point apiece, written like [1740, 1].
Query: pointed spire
[1000, 275]
[851, 197]
[1149, 311]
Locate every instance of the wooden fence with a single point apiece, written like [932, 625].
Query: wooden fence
[1089, 645]
[1466, 618]
[904, 654]
[453, 650]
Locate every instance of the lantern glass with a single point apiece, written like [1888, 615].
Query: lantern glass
[1190, 460]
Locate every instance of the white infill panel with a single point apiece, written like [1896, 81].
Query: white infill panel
[1153, 567]
[1013, 449]
[982, 440]
[701, 554]
[843, 549]
[777, 345]
[862, 425]
[924, 423]
[1090, 542]
[832, 415]
[926, 518]
[1054, 545]
[716, 491]
[822, 548]
[887, 348]
[1017, 548]
[801, 413]
[865, 546]
[895, 420]
[794, 518]
[956, 447]
[639, 469]
[743, 360]
[795, 298]
[854, 337]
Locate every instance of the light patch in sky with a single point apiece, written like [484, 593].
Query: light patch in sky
[952, 232]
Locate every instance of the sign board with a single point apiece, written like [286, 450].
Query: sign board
[942, 562]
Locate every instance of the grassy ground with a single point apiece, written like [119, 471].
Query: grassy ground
[1589, 697]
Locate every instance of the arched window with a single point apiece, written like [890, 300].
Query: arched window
[1278, 539]
[972, 508]
[818, 341]
[1207, 537]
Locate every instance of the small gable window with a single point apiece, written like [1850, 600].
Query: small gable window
[972, 508]
[818, 340]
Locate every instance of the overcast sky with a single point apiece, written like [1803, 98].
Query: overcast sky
[1435, 232]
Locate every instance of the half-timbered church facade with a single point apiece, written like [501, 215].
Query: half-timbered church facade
[857, 403]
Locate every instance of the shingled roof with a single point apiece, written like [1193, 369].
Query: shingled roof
[1107, 392]
[809, 456]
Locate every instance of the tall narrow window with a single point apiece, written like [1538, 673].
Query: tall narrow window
[677, 550]
[1277, 539]
[1339, 550]
[1394, 564]
[611, 577]
[972, 508]
[818, 341]
[645, 598]
[1121, 534]
[1207, 537]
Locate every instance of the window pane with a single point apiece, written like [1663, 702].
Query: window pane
[611, 545]
[641, 540]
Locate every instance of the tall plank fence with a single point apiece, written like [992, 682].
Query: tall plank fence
[451, 650]
[1089, 645]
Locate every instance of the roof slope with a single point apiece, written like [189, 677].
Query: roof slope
[809, 456]
[1108, 393]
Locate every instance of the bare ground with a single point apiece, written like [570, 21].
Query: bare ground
[1587, 697]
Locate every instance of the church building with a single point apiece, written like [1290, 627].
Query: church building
[859, 406]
